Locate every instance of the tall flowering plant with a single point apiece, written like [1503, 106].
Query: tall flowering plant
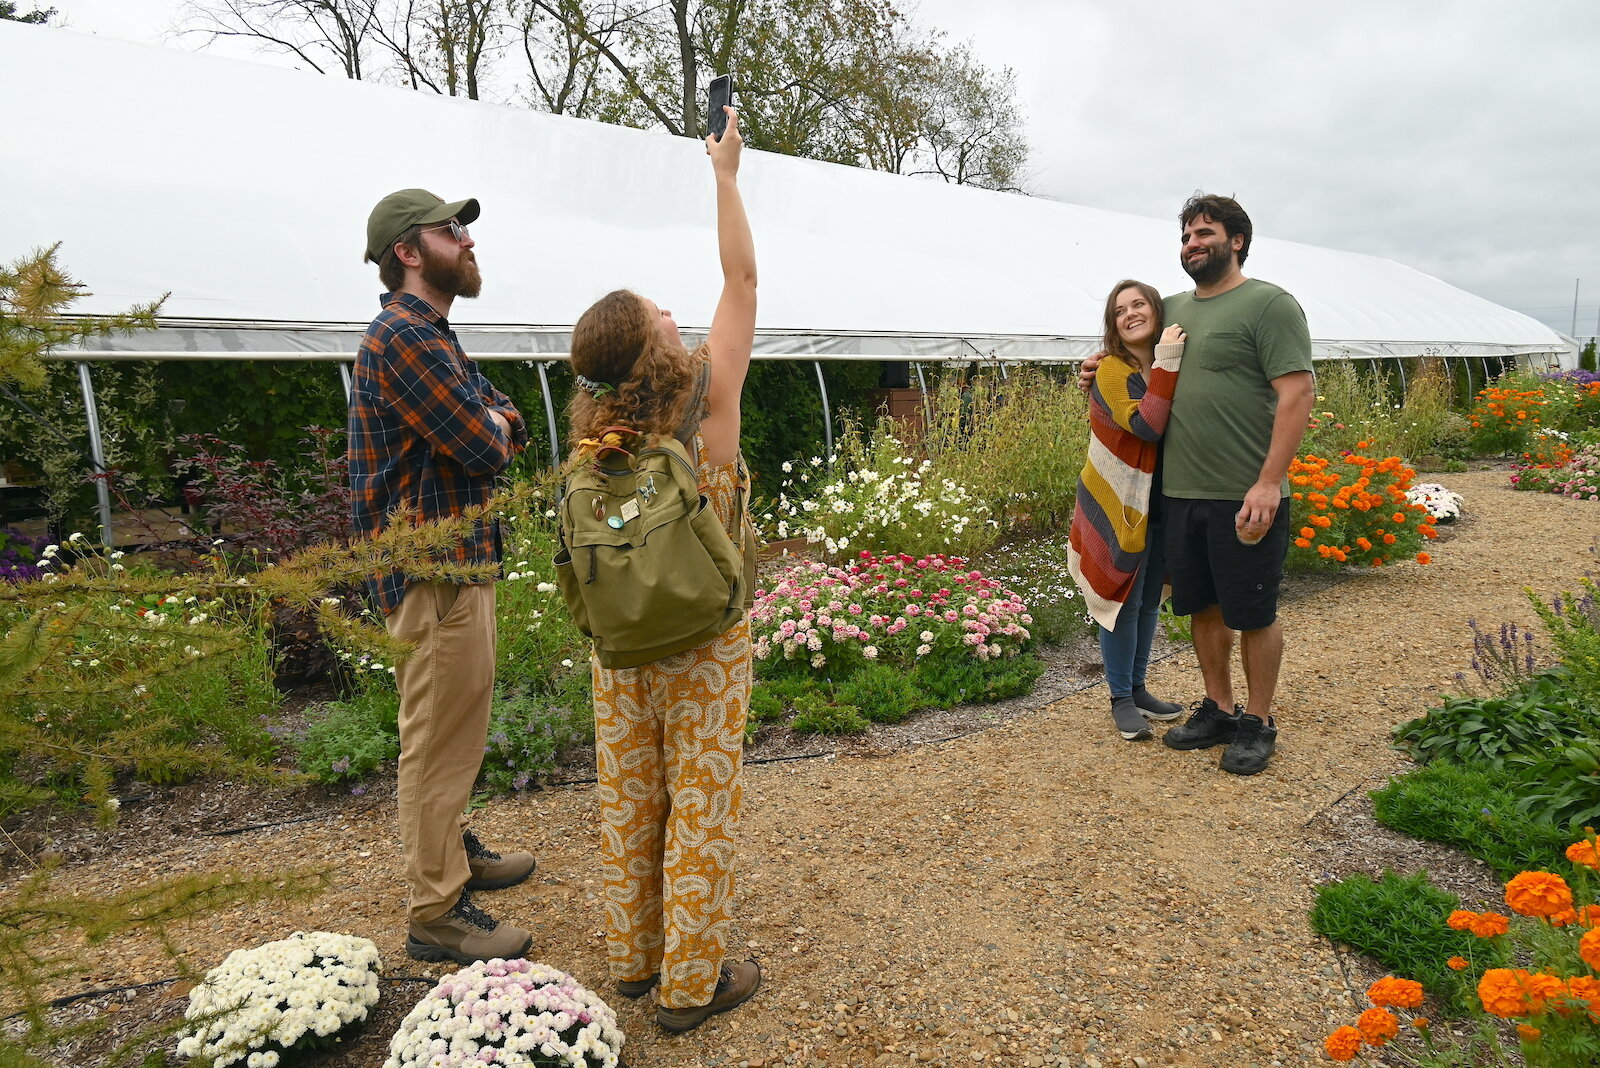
[875, 495]
[1355, 509]
[292, 996]
[1504, 417]
[1554, 1004]
[891, 608]
[510, 1013]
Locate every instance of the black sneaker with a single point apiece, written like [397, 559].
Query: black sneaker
[1207, 726]
[1251, 747]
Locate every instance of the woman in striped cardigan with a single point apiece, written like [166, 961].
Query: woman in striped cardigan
[1115, 549]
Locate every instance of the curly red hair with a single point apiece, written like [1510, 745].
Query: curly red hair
[617, 342]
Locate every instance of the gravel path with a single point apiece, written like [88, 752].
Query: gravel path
[1039, 893]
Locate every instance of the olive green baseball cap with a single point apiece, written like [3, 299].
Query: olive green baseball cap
[397, 212]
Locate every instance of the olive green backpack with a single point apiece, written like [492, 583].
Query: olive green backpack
[645, 565]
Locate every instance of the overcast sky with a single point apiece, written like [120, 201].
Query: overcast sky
[1459, 138]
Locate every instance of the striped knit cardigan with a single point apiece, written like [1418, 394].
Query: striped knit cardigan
[1127, 416]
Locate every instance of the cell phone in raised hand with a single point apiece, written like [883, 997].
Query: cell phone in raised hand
[718, 95]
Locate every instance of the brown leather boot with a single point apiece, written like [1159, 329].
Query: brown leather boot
[735, 986]
[465, 934]
[638, 988]
[490, 870]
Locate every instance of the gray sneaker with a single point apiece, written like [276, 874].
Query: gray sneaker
[1154, 707]
[1129, 721]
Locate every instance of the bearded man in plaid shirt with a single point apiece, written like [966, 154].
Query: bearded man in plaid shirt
[429, 432]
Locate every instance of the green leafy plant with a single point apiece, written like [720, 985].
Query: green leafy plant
[350, 739]
[952, 682]
[1528, 719]
[882, 693]
[1573, 623]
[529, 730]
[1474, 808]
[815, 713]
[1399, 921]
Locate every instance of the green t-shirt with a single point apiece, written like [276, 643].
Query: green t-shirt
[1222, 412]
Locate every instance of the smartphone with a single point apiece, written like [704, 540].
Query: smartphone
[718, 95]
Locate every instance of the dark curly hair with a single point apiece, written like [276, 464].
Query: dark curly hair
[617, 342]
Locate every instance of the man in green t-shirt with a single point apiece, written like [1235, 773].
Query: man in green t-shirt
[1238, 415]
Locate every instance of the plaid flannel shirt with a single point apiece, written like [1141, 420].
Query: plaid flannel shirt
[420, 432]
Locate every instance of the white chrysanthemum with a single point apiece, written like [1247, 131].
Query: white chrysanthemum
[276, 994]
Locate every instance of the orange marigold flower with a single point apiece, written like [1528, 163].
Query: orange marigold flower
[1307, 532]
[1424, 558]
[1540, 989]
[1489, 924]
[1461, 920]
[1399, 993]
[1589, 915]
[1302, 543]
[1399, 517]
[1564, 918]
[1343, 1044]
[1527, 1032]
[1388, 539]
[1587, 990]
[1457, 963]
[1378, 1026]
[1364, 544]
[1427, 532]
[1501, 993]
[1538, 893]
[1589, 948]
[1583, 853]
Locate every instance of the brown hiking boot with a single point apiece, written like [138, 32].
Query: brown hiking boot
[638, 988]
[735, 986]
[466, 934]
[490, 870]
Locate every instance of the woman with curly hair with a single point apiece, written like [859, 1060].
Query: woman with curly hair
[669, 735]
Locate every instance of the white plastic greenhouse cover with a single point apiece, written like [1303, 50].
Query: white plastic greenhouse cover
[244, 188]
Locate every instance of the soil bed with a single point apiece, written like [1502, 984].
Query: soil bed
[1035, 893]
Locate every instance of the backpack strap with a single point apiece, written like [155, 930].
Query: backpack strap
[695, 414]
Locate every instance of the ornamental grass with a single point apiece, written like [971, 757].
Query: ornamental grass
[1355, 509]
[1552, 1007]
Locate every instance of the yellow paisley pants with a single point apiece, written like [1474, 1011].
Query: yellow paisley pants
[669, 746]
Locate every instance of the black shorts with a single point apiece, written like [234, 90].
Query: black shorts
[1208, 565]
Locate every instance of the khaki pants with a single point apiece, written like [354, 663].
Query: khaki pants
[445, 690]
[669, 746]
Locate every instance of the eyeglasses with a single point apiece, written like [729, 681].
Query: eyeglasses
[457, 232]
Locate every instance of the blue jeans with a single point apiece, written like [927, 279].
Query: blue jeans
[1126, 650]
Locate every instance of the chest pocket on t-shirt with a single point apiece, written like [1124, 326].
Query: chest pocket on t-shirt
[1224, 349]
